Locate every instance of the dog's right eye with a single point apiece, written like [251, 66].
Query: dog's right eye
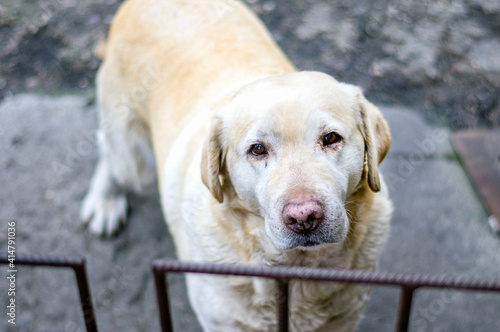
[258, 150]
[331, 138]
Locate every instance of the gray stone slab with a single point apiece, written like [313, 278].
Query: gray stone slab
[439, 227]
[47, 155]
[415, 138]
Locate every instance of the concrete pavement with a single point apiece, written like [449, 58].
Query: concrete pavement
[47, 155]
[439, 226]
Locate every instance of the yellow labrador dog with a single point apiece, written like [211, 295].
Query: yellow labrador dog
[256, 162]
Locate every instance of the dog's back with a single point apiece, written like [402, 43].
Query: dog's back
[188, 51]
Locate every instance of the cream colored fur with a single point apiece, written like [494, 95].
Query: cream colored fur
[192, 87]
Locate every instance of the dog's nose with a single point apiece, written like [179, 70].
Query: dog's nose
[303, 217]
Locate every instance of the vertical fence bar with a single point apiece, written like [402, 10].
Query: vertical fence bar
[77, 264]
[282, 304]
[85, 298]
[405, 308]
[163, 301]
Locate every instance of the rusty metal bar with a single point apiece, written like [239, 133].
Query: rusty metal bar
[322, 274]
[404, 308]
[282, 304]
[408, 282]
[76, 263]
[163, 301]
[85, 297]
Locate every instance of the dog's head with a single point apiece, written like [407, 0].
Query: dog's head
[292, 149]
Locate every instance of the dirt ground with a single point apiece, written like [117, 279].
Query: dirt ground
[438, 56]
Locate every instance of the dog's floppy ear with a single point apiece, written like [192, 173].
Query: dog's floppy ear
[377, 140]
[212, 160]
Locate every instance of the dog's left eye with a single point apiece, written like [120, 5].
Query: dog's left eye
[331, 138]
[258, 150]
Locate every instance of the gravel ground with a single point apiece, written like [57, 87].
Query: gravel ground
[438, 56]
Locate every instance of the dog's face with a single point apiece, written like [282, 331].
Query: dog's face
[293, 149]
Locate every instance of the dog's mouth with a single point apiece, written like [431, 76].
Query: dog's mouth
[309, 241]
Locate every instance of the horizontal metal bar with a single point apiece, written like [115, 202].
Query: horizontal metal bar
[76, 263]
[322, 274]
[44, 260]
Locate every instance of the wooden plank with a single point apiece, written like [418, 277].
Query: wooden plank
[479, 151]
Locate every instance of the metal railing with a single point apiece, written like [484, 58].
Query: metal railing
[407, 282]
[162, 267]
[76, 263]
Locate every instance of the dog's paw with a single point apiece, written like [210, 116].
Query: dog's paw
[104, 215]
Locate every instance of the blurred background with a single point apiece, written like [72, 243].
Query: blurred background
[432, 66]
